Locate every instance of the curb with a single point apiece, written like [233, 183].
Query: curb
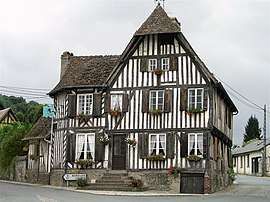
[105, 193]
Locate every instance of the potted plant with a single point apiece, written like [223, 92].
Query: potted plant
[193, 110]
[155, 157]
[155, 112]
[135, 183]
[131, 141]
[83, 117]
[158, 71]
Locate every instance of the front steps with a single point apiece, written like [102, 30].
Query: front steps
[111, 181]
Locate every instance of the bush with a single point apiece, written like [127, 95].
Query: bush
[82, 182]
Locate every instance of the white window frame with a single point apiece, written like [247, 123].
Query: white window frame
[165, 64]
[84, 139]
[156, 104]
[90, 101]
[196, 104]
[152, 64]
[158, 143]
[117, 102]
[194, 145]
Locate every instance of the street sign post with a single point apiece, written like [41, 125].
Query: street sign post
[70, 177]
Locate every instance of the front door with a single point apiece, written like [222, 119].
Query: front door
[119, 152]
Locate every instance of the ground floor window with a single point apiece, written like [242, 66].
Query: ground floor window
[85, 146]
[195, 144]
[157, 144]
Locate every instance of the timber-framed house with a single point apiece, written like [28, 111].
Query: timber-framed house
[155, 106]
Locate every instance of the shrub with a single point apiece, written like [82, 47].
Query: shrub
[81, 182]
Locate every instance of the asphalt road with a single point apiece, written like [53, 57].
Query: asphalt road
[249, 189]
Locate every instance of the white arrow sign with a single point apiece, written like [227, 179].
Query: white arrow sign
[69, 177]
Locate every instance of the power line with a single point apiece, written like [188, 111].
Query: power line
[24, 88]
[253, 103]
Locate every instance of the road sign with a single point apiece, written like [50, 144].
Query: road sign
[69, 177]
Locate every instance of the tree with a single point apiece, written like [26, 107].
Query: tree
[252, 130]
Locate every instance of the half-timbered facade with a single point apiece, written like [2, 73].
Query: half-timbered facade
[158, 94]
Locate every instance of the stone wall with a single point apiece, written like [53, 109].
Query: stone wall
[20, 169]
[158, 180]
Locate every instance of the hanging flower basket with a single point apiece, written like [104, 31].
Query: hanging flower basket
[104, 139]
[131, 141]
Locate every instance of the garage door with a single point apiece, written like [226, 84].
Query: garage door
[192, 183]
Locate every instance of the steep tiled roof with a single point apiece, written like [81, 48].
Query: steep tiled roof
[41, 129]
[86, 71]
[251, 147]
[158, 22]
[4, 113]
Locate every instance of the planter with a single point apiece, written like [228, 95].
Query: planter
[155, 112]
[158, 71]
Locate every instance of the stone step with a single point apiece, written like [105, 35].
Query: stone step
[109, 184]
[112, 181]
[107, 188]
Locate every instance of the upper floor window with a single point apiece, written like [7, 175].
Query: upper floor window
[152, 64]
[195, 98]
[156, 100]
[195, 144]
[85, 146]
[165, 63]
[157, 144]
[116, 102]
[85, 104]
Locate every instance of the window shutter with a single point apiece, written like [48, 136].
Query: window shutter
[99, 149]
[71, 147]
[184, 145]
[170, 144]
[107, 106]
[184, 99]
[145, 100]
[173, 63]
[143, 145]
[168, 97]
[144, 65]
[205, 99]
[71, 106]
[205, 145]
[97, 104]
[125, 103]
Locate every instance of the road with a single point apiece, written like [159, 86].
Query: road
[258, 190]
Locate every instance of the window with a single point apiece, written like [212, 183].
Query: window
[195, 98]
[85, 146]
[157, 144]
[195, 144]
[248, 160]
[85, 104]
[165, 62]
[116, 102]
[156, 100]
[152, 64]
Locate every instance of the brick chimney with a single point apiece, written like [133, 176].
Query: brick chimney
[65, 58]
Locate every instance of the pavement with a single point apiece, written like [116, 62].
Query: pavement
[108, 193]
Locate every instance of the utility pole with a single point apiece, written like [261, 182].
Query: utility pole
[264, 143]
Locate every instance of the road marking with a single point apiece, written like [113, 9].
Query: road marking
[44, 199]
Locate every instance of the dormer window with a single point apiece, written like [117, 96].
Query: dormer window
[152, 64]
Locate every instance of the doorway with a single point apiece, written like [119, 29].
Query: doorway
[119, 152]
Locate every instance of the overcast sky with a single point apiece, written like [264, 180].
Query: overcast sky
[231, 37]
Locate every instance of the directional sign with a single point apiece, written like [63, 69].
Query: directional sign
[69, 177]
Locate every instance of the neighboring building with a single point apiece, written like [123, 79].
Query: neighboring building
[7, 116]
[37, 169]
[159, 93]
[249, 159]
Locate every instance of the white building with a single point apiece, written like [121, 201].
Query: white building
[249, 159]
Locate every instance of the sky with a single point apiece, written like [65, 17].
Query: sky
[231, 37]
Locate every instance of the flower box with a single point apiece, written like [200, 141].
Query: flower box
[158, 71]
[155, 157]
[155, 112]
[115, 113]
[83, 117]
